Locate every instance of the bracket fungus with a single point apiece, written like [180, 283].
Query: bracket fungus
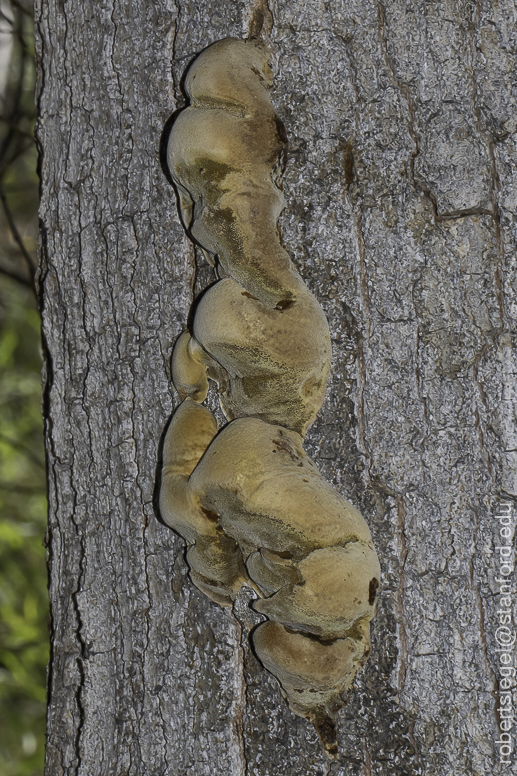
[251, 505]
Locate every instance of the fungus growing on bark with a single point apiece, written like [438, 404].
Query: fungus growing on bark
[252, 506]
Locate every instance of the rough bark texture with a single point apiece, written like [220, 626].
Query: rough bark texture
[399, 215]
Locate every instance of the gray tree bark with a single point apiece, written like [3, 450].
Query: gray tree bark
[400, 201]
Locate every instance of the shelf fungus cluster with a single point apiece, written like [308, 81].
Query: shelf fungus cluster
[251, 505]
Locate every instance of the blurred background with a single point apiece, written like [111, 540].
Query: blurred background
[23, 576]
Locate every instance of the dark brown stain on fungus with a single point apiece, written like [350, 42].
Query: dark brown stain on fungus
[373, 587]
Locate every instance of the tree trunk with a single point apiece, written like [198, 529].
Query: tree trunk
[399, 200]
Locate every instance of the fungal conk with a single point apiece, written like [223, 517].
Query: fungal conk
[251, 505]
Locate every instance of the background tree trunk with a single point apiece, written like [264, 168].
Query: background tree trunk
[399, 202]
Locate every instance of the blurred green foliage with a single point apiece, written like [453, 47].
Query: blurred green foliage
[23, 582]
[23, 588]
